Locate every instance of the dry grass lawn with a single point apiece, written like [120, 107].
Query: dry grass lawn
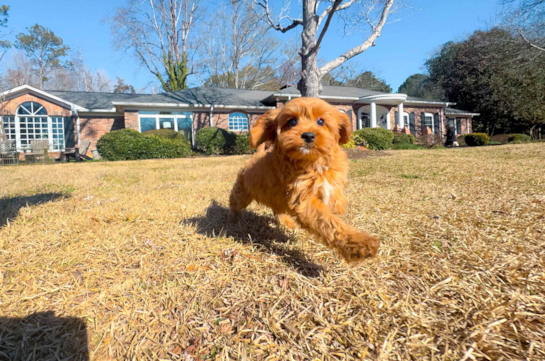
[137, 260]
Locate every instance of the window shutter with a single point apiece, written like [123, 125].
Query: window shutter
[412, 123]
[436, 125]
[396, 118]
[69, 137]
[422, 122]
[458, 126]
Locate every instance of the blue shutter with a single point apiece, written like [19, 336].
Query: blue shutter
[422, 122]
[436, 125]
[412, 123]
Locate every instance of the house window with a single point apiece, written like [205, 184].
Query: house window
[238, 122]
[428, 120]
[405, 119]
[458, 125]
[177, 121]
[32, 123]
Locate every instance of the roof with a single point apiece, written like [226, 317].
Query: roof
[452, 111]
[334, 91]
[103, 101]
[204, 96]
[192, 96]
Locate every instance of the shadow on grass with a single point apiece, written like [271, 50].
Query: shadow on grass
[43, 336]
[10, 206]
[253, 229]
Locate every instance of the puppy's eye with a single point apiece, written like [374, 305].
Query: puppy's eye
[292, 122]
[320, 122]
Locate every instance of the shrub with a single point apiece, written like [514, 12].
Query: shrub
[404, 146]
[461, 139]
[212, 140]
[502, 138]
[374, 138]
[127, 144]
[242, 145]
[519, 138]
[350, 145]
[165, 133]
[402, 138]
[477, 139]
[430, 141]
[493, 142]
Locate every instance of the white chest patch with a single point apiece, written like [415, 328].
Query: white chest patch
[327, 190]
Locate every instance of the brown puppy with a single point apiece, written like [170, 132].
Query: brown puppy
[301, 173]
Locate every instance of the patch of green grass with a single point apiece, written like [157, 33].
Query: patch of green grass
[410, 176]
[407, 147]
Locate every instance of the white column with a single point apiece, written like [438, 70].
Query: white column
[359, 119]
[373, 115]
[399, 119]
[388, 126]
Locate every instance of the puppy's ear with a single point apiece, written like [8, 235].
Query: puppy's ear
[264, 128]
[345, 127]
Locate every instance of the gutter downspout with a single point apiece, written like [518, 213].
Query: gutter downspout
[442, 123]
[211, 114]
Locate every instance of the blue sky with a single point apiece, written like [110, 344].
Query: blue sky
[399, 52]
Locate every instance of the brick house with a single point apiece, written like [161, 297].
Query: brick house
[66, 117]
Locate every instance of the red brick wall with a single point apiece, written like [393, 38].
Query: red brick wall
[93, 128]
[131, 120]
[9, 107]
[418, 116]
[466, 124]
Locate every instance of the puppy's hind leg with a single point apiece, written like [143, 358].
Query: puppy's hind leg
[240, 198]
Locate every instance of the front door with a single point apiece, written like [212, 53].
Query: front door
[365, 120]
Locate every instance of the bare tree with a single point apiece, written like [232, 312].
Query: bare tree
[527, 19]
[237, 50]
[315, 21]
[158, 31]
[19, 71]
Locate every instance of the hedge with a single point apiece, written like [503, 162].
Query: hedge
[403, 138]
[212, 140]
[374, 138]
[165, 133]
[477, 139]
[519, 138]
[351, 144]
[128, 144]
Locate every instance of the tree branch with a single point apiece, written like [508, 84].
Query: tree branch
[268, 19]
[362, 47]
[346, 5]
[528, 41]
[326, 26]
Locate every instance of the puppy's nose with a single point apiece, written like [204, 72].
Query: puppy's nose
[308, 137]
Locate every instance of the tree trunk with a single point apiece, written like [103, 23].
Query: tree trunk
[311, 77]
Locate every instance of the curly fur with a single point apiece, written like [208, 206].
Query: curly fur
[303, 182]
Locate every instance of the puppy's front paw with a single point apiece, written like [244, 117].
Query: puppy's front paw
[358, 246]
[234, 216]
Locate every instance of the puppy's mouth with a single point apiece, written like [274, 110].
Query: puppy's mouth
[306, 149]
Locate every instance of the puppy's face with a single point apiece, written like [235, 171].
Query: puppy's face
[306, 128]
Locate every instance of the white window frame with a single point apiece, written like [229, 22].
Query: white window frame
[432, 121]
[238, 130]
[408, 122]
[174, 116]
[17, 123]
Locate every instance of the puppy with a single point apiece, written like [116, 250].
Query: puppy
[299, 172]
